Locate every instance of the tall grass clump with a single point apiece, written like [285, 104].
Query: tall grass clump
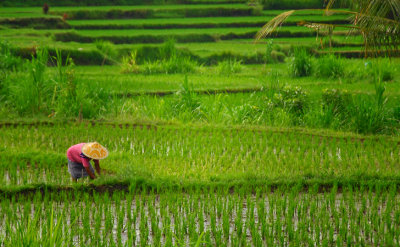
[170, 61]
[329, 66]
[382, 70]
[273, 53]
[371, 116]
[107, 49]
[185, 104]
[300, 64]
[335, 108]
[71, 98]
[8, 61]
[65, 95]
[173, 65]
[9, 64]
[29, 94]
[230, 66]
[38, 91]
[129, 63]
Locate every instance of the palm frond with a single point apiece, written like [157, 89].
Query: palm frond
[378, 21]
[272, 25]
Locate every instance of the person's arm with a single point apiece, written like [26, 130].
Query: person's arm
[89, 172]
[86, 164]
[97, 166]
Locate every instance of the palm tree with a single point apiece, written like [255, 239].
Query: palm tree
[378, 21]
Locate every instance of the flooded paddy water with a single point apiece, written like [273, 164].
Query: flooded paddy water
[206, 219]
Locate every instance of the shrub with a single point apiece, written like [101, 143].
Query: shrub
[367, 118]
[300, 65]
[293, 99]
[329, 66]
[336, 100]
[371, 116]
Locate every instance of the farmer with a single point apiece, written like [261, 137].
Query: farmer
[79, 157]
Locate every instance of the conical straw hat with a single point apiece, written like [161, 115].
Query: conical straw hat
[95, 151]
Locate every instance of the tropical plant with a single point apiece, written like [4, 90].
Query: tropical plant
[377, 21]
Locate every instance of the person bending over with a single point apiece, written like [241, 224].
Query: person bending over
[79, 157]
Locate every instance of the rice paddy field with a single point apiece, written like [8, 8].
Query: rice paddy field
[214, 139]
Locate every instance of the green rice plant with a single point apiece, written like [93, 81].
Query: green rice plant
[300, 64]
[329, 66]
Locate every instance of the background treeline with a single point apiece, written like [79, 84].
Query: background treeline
[267, 4]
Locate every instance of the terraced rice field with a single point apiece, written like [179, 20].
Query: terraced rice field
[214, 140]
[242, 187]
[205, 218]
[219, 28]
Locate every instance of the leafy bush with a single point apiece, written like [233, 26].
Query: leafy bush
[300, 64]
[329, 66]
[336, 100]
[293, 99]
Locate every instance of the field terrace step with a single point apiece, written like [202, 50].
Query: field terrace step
[154, 12]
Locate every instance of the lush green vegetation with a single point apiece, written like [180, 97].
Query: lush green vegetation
[214, 140]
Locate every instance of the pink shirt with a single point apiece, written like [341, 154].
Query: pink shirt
[75, 154]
